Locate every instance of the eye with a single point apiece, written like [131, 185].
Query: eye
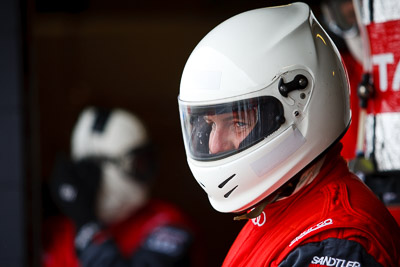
[241, 124]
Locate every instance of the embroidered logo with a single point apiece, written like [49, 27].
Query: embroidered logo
[330, 261]
[260, 220]
[311, 229]
[167, 240]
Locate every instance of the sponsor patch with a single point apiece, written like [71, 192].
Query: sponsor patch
[336, 262]
[168, 240]
[312, 229]
[260, 220]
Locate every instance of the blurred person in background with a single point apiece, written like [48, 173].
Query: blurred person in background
[264, 102]
[379, 161]
[370, 31]
[104, 191]
[339, 18]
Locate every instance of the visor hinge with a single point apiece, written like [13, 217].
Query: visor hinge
[298, 83]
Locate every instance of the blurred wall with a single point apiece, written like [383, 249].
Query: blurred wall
[12, 183]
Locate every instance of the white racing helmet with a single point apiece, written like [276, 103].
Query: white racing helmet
[116, 140]
[279, 66]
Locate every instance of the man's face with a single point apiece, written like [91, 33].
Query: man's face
[348, 13]
[228, 130]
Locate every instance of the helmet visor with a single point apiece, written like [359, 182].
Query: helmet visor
[217, 131]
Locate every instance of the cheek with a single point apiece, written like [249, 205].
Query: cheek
[224, 138]
[241, 136]
[212, 136]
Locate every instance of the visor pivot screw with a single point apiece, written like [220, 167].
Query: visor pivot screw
[303, 82]
[296, 113]
[283, 89]
[302, 95]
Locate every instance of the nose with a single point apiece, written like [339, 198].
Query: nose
[220, 141]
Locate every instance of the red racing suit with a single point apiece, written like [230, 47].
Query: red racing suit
[156, 235]
[334, 221]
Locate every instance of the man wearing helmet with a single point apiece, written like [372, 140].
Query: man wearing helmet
[264, 101]
[104, 191]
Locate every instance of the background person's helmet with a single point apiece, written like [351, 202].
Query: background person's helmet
[116, 141]
[340, 18]
[280, 63]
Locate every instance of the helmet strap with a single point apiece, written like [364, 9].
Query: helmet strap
[283, 191]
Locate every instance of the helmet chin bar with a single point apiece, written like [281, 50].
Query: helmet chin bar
[226, 187]
[221, 185]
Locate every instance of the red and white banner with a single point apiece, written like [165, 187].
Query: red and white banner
[385, 51]
[382, 20]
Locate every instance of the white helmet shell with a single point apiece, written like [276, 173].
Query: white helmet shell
[243, 60]
[122, 131]
[110, 136]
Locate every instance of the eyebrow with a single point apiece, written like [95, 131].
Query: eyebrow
[229, 118]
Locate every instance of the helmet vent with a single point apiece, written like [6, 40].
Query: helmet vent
[202, 185]
[230, 192]
[226, 181]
